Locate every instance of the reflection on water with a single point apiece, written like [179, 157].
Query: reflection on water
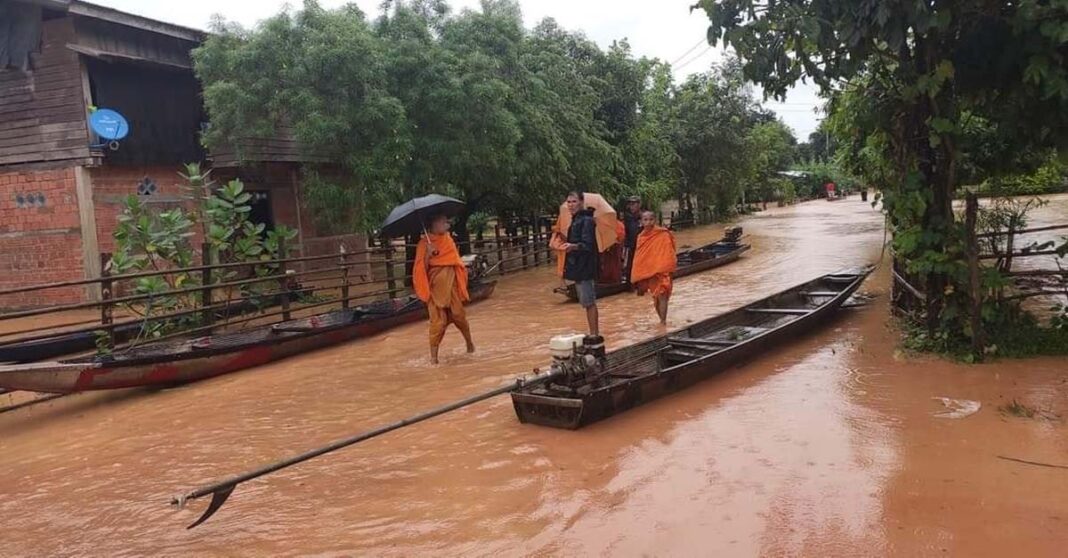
[811, 449]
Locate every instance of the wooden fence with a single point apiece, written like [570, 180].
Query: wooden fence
[998, 250]
[263, 292]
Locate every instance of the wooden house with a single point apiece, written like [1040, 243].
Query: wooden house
[61, 187]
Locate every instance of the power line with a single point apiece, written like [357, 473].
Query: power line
[692, 60]
[694, 47]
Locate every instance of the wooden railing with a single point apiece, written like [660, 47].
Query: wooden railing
[983, 252]
[210, 304]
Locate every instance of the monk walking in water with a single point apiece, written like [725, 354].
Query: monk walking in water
[439, 277]
[654, 262]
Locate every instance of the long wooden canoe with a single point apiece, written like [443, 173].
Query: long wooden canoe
[70, 343]
[640, 373]
[690, 261]
[172, 363]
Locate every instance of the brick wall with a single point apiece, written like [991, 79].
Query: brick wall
[40, 242]
[40, 236]
[111, 185]
[281, 181]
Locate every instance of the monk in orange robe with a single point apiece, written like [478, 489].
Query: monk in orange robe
[556, 242]
[439, 277]
[654, 262]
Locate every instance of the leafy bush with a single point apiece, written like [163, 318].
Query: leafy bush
[148, 239]
[818, 174]
[1050, 178]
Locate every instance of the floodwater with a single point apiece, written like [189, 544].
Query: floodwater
[836, 444]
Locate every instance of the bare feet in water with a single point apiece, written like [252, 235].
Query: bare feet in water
[470, 347]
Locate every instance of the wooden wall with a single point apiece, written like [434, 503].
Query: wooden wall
[282, 148]
[43, 112]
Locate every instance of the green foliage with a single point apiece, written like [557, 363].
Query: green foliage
[474, 105]
[924, 95]
[710, 129]
[1050, 178]
[1020, 336]
[818, 174]
[772, 149]
[149, 239]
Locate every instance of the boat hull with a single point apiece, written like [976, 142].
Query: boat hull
[66, 344]
[191, 360]
[655, 377]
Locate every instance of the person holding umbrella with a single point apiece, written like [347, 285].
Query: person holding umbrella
[439, 276]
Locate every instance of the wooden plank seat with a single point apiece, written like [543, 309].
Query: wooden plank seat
[682, 355]
[293, 328]
[709, 344]
[790, 311]
[819, 293]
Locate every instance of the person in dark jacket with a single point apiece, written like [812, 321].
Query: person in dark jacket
[580, 264]
[632, 217]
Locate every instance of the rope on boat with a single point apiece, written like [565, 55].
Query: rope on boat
[221, 490]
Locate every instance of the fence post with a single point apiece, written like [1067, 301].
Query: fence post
[971, 219]
[283, 281]
[535, 238]
[208, 315]
[106, 294]
[391, 280]
[524, 246]
[344, 278]
[548, 240]
[500, 248]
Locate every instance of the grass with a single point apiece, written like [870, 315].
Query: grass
[1022, 337]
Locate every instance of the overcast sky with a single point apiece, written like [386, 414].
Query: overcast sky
[667, 31]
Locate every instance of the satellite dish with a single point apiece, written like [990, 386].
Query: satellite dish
[108, 124]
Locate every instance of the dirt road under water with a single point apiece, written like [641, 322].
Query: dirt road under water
[836, 444]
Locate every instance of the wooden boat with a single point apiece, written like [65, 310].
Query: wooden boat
[690, 261]
[69, 343]
[189, 360]
[640, 373]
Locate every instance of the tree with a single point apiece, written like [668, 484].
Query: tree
[710, 118]
[915, 72]
[771, 147]
[320, 73]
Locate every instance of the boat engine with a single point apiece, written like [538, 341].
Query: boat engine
[477, 266]
[732, 234]
[579, 358]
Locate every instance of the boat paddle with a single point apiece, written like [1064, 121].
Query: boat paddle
[221, 490]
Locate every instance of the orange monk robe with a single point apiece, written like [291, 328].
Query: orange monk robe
[654, 262]
[441, 283]
[556, 243]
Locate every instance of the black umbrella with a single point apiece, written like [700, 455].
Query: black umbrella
[410, 216]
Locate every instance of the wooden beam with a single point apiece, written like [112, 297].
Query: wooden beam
[83, 186]
[115, 56]
[94, 11]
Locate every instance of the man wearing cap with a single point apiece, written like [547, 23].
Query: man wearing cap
[632, 217]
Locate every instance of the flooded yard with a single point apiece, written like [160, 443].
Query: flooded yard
[836, 444]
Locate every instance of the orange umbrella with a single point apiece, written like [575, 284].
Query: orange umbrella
[603, 213]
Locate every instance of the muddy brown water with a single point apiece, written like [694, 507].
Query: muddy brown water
[831, 445]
